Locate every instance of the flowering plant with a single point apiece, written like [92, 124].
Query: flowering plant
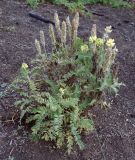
[59, 90]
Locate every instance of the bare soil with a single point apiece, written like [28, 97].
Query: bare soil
[114, 136]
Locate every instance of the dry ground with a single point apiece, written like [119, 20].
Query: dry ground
[114, 137]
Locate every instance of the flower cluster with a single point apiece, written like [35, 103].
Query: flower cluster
[108, 29]
[24, 66]
[100, 42]
[110, 43]
[84, 48]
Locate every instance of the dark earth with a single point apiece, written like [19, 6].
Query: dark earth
[114, 134]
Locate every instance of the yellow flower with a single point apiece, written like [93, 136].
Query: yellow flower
[99, 42]
[61, 91]
[24, 65]
[110, 43]
[84, 48]
[108, 29]
[92, 39]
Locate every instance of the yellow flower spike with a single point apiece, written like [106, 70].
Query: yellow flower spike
[99, 42]
[108, 29]
[25, 66]
[110, 43]
[61, 91]
[92, 39]
[84, 48]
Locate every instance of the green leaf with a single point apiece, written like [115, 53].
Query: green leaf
[77, 137]
[86, 124]
[69, 102]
